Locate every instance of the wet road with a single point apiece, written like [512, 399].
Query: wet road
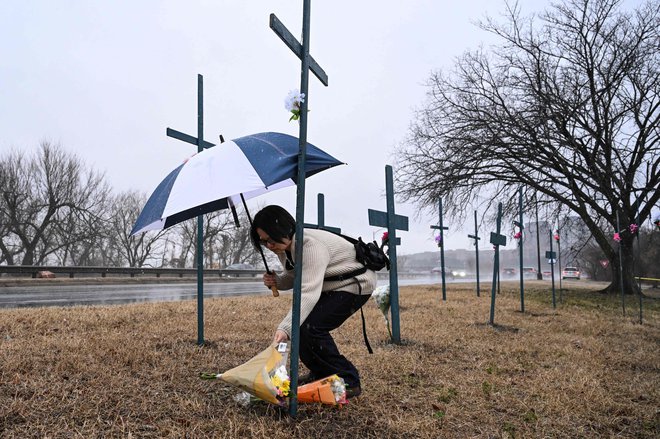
[76, 295]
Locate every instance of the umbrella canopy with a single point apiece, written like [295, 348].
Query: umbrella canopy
[215, 178]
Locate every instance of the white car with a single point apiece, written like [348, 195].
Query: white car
[529, 272]
[570, 273]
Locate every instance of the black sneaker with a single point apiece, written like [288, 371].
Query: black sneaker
[352, 392]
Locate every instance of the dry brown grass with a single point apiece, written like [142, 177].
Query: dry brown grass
[583, 370]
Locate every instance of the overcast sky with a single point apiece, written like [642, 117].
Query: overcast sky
[105, 78]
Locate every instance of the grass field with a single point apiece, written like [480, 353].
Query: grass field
[580, 370]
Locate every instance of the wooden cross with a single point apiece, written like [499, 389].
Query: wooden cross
[520, 225]
[476, 247]
[393, 222]
[307, 63]
[497, 239]
[552, 258]
[297, 48]
[201, 145]
[442, 228]
[321, 217]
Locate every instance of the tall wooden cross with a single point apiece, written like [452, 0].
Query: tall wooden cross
[497, 239]
[476, 247]
[442, 228]
[307, 63]
[552, 258]
[199, 256]
[393, 222]
[521, 227]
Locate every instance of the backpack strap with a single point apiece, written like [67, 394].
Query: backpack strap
[364, 325]
[348, 275]
[354, 274]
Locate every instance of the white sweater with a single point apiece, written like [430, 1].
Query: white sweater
[324, 255]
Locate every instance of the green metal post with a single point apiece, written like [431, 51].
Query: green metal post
[391, 249]
[496, 239]
[539, 273]
[302, 51]
[623, 299]
[320, 209]
[442, 228]
[520, 250]
[552, 272]
[300, 212]
[476, 248]
[442, 253]
[200, 218]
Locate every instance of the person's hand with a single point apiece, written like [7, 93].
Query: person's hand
[280, 336]
[270, 280]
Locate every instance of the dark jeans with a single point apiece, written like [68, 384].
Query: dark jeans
[318, 350]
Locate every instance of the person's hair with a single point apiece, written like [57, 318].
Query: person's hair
[275, 221]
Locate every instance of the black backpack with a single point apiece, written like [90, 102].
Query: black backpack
[368, 254]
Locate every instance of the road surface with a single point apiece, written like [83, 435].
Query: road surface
[114, 294]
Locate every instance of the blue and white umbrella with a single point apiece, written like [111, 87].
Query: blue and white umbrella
[216, 178]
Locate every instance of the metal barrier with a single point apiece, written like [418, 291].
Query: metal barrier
[33, 271]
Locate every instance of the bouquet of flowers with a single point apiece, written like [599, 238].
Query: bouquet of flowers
[292, 103]
[264, 376]
[381, 296]
[330, 390]
[657, 222]
[517, 235]
[633, 228]
[617, 237]
[438, 240]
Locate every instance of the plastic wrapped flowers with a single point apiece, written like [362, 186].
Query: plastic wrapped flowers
[263, 376]
[381, 296]
[330, 390]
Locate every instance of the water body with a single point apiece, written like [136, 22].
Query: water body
[116, 294]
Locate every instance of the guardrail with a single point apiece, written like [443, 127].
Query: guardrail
[34, 270]
[85, 271]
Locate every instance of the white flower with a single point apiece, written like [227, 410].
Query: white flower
[381, 296]
[338, 387]
[281, 373]
[293, 100]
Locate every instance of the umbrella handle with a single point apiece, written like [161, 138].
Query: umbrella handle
[263, 257]
[276, 293]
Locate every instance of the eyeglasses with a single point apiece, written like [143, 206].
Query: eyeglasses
[267, 241]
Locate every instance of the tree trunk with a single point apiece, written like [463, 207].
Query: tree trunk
[625, 276]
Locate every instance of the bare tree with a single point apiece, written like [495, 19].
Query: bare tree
[568, 108]
[234, 244]
[224, 243]
[135, 251]
[14, 193]
[41, 195]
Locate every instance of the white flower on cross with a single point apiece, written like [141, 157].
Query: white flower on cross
[292, 103]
